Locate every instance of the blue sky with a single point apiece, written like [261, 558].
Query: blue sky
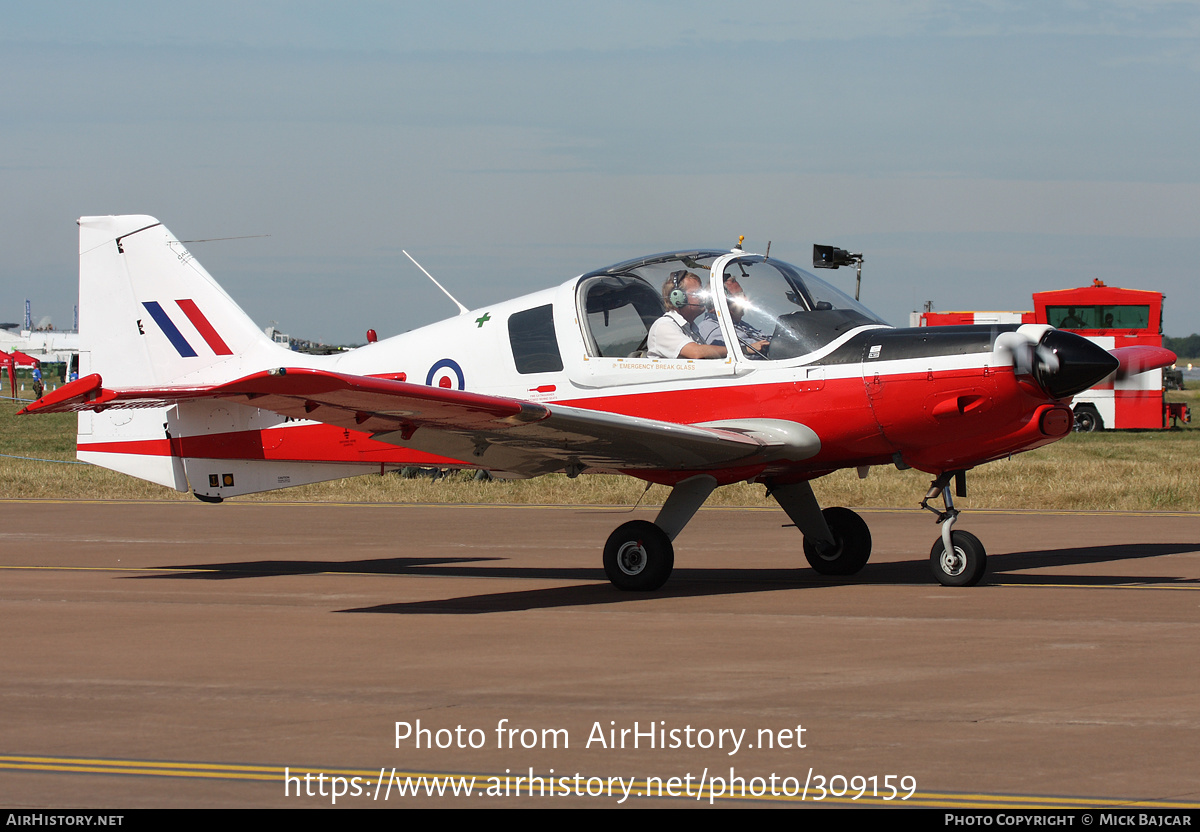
[974, 152]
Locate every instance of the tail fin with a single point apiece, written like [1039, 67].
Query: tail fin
[149, 314]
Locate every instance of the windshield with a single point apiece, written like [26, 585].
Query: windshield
[797, 311]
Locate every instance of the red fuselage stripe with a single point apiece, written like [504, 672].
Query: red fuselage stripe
[301, 443]
[972, 413]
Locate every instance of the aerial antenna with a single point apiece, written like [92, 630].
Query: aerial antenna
[217, 239]
[461, 308]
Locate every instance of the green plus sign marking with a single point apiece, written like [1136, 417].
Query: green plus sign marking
[481, 321]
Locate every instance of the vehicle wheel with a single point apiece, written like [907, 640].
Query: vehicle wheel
[962, 567]
[853, 544]
[1087, 419]
[638, 557]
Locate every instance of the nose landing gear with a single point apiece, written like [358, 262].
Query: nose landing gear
[957, 558]
[962, 565]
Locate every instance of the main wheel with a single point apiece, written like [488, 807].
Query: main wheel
[852, 544]
[962, 567]
[638, 557]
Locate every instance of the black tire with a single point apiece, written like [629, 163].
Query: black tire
[965, 566]
[638, 557]
[1087, 419]
[853, 544]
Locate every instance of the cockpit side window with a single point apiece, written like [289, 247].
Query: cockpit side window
[534, 345]
[617, 312]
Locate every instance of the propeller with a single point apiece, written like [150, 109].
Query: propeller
[1061, 363]
[1023, 349]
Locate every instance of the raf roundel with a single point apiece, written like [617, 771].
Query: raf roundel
[447, 374]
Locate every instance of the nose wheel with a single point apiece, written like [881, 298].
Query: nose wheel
[961, 565]
[957, 558]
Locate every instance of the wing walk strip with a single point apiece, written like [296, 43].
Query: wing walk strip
[231, 771]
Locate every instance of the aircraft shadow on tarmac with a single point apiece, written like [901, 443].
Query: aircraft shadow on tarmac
[684, 583]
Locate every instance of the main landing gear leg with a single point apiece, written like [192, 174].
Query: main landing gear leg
[836, 540]
[957, 558]
[638, 555]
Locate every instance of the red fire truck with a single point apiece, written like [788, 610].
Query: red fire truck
[1111, 317]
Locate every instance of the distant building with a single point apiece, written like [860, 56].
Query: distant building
[46, 345]
[281, 338]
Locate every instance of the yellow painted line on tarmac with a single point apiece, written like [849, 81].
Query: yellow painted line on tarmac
[100, 569]
[187, 569]
[201, 569]
[1184, 588]
[151, 768]
[387, 781]
[76, 501]
[967, 513]
[599, 507]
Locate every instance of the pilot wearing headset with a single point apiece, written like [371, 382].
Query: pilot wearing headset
[674, 335]
[754, 344]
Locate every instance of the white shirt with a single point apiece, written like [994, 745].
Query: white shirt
[669, 335]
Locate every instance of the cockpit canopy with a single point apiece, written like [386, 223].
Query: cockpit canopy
[759, 298]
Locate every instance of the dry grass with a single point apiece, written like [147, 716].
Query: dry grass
[1109, 471]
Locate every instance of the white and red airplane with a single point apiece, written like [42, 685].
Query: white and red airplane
[181, 388]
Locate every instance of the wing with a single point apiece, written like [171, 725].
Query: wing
[493, 432]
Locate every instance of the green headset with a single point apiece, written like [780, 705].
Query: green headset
[677, 299]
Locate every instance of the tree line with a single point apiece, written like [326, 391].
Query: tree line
[1188, 347]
